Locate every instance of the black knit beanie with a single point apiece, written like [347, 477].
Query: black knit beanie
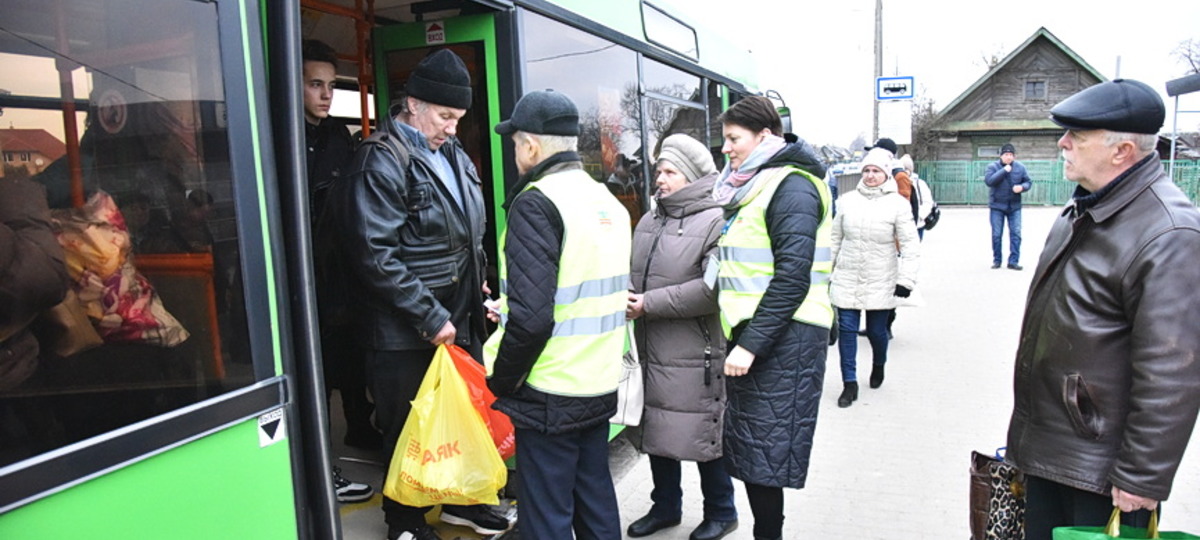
[442, 79]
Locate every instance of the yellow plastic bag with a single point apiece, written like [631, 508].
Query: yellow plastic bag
[445, 454]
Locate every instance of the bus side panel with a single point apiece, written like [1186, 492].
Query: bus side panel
[220, 486]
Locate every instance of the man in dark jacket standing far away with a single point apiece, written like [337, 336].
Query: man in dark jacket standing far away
[1106, 371]
[411, 217]
[555, 361]
[1007, 180]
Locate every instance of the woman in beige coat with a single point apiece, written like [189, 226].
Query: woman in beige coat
[680, 340]
[872, 223]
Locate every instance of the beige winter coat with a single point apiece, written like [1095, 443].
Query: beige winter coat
[870, 224]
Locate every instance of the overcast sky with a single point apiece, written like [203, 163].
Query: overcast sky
[820, 54]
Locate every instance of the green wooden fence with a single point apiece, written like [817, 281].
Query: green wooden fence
[961, 182]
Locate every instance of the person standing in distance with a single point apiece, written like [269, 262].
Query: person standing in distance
[1007, 180]
[412, 220]
[555, 361]
[1105, 396]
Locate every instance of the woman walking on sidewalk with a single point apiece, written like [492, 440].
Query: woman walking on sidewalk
[873, 221]
[679, 335]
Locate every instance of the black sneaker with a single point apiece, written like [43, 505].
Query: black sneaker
[425, 532]
[350, 492]
[479, 517]
[1015, 266]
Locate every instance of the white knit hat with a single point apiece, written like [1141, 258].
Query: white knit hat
[880, 158]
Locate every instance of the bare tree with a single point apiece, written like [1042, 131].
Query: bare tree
[1188, 52]
[991, 60]
[924, 121]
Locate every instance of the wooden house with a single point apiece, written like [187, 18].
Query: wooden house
[1011, 104]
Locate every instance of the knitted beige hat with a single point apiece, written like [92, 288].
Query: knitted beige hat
[688, 155]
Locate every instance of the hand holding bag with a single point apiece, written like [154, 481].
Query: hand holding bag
[631, 397]
[997, 498]
[445, 454]
[1114, 529]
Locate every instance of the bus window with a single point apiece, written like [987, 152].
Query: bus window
[666, 89]
[149, 150]
[601, 78]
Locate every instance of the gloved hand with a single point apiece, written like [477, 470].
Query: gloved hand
[902, 291]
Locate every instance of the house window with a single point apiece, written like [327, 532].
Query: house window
[1035, 89]
[988, 152]
[24, 156]
[8, 157]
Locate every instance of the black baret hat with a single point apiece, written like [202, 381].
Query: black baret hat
[886, 144]
[544, 112]
[442, 79]
[1123, 105]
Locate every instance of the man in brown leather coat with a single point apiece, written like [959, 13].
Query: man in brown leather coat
[1106, 371]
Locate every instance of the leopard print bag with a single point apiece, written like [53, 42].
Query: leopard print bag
[997, 499]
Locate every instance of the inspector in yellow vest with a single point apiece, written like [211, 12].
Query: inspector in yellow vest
[748, 264]
[583, 355]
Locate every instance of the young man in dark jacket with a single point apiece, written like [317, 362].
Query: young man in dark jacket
[1007, 179]
[411, 220]
[329, 150]
[555, 362]
[1105, 384]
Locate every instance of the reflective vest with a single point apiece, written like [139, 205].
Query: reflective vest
[583, 355]
[748, 264]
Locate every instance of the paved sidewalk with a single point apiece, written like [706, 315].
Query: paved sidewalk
[894, 466]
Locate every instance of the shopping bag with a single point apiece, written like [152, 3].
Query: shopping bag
[997, 497]
[499, 425]
[445, 454]
[631, 395]
[1114, 529]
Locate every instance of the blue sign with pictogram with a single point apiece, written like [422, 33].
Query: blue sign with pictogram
[893, 88]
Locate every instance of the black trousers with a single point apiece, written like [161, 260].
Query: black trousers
[766, 503]
[565, 486]
[1049, 504]
[345, 369]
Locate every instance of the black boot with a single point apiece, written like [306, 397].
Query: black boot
[849, 394]
[876, 375]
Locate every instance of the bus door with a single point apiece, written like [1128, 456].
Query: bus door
[398, 50]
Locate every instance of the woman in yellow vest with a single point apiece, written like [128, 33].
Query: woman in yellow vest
[773, 294]
[873, 222]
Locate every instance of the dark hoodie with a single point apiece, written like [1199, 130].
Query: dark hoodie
[793, 216]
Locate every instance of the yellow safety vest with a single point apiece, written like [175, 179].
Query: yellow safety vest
[583, 355]
[748, 264]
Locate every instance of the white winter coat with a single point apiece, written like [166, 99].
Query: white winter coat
[869, 225]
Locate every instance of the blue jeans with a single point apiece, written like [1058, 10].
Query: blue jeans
[1014, 234]
[848, 338]
[715, 484]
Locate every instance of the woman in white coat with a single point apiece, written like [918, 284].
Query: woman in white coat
[875, 257]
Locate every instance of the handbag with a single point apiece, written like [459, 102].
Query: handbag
[997, 498]
[932, 219]
[631, 396]
[65, 329]
[1114, 529]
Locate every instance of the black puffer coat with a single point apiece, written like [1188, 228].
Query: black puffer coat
[772, 410]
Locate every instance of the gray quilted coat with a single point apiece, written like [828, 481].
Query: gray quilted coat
[684, 412]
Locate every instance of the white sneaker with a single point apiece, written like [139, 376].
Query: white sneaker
[350, 492]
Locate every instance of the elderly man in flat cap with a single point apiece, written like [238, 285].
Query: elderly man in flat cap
[555, 361]
[411, 217]
[1106, 371]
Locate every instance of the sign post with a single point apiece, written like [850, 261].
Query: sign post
[894, 96]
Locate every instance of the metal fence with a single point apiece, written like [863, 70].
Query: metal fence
[961, 182]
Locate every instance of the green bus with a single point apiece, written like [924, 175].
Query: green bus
[187, 115]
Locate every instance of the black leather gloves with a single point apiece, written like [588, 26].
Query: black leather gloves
[902, 291]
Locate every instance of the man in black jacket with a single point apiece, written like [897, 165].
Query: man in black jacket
[1105, 393]
[329, 150]
[412, 220]
[555, 362]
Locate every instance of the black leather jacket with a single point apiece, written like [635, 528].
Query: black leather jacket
[1106, 371]
[415, 257]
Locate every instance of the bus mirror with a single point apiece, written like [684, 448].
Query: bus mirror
[785, 114]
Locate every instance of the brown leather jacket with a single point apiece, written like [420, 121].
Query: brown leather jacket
[1106, 371]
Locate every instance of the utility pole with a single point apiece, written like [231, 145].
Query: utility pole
[878, 65]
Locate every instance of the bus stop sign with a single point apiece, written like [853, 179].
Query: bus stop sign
[893, 88]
